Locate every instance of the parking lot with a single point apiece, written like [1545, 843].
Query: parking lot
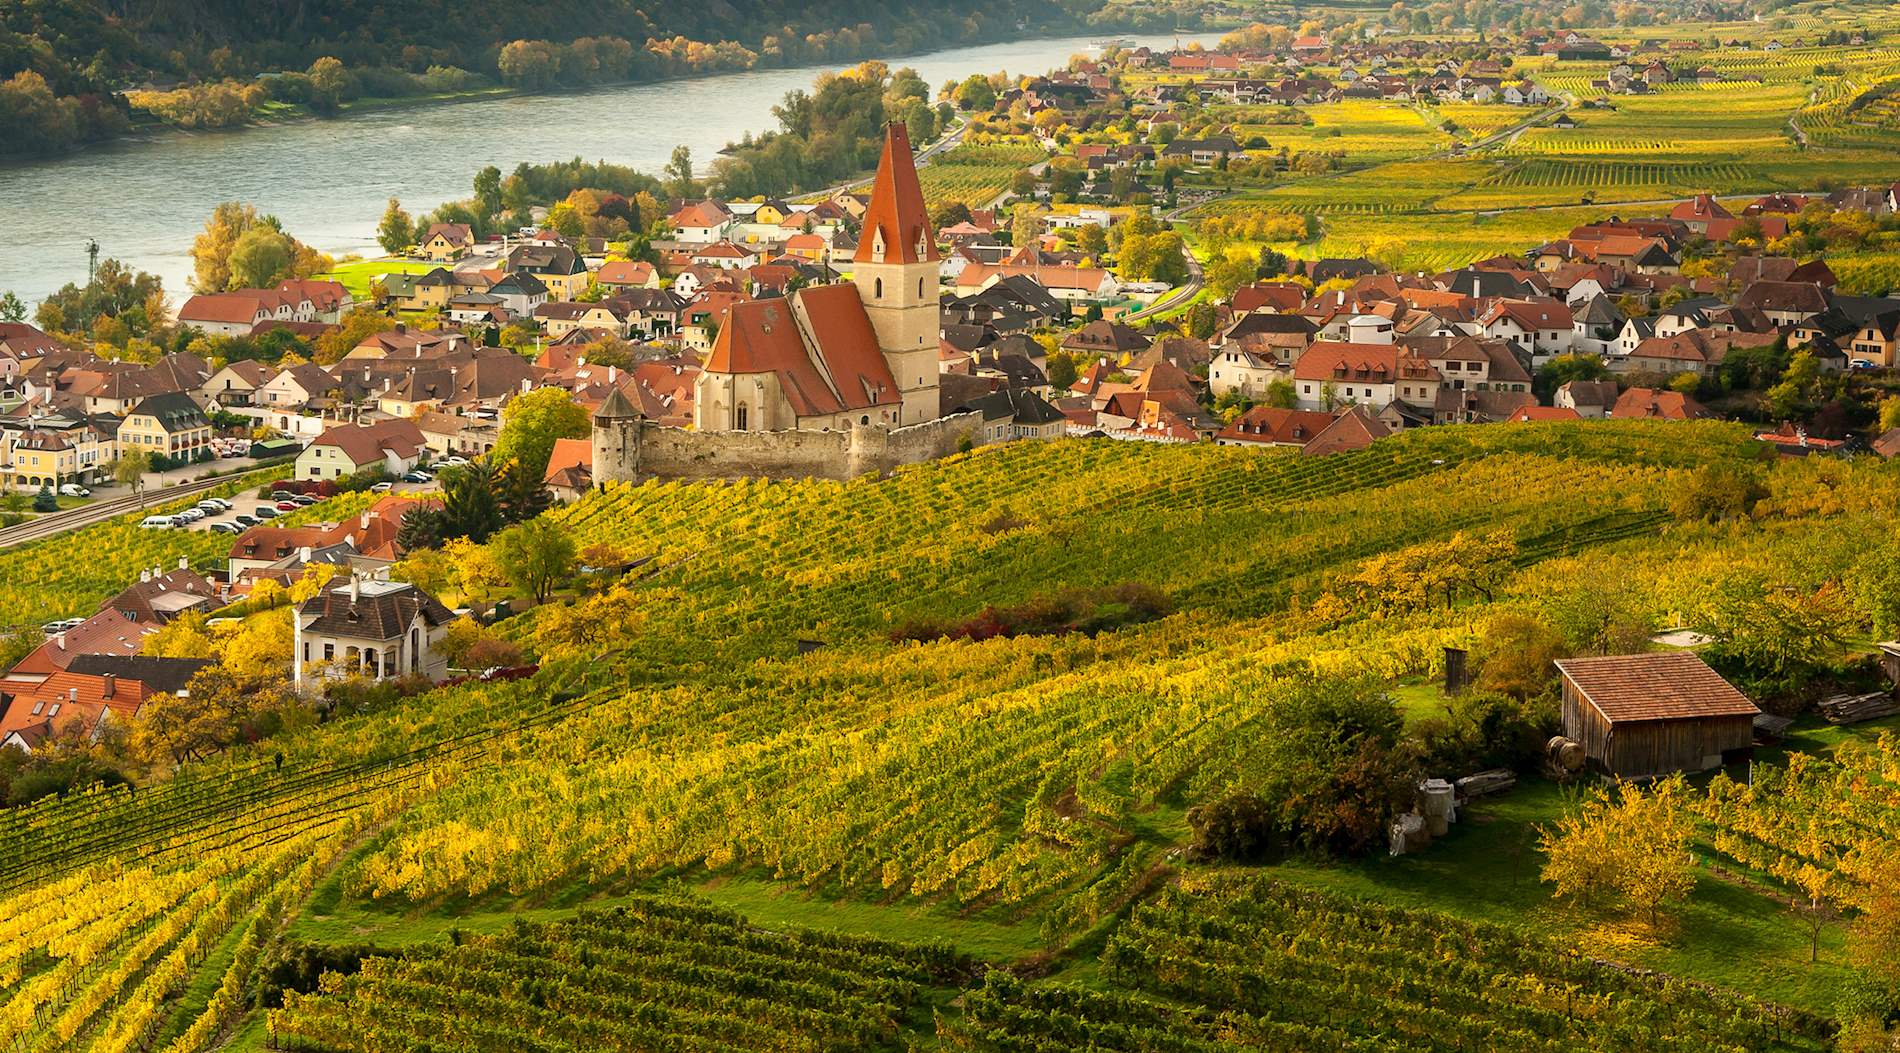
[243, 511]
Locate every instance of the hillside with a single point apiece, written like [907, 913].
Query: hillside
[747, 721]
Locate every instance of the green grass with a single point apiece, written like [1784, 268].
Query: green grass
[1486, 868]
[356, 275]
[770, 903]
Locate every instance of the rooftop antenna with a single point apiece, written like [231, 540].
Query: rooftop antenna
[92, 258]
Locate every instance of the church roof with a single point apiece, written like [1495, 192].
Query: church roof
[762, 336]
[896, 220]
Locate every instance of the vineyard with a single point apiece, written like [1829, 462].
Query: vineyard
[71, 574]
[974, 175]
[740, 711]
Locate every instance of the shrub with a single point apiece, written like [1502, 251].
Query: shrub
[1237, 828]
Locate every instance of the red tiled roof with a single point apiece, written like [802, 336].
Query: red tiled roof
[1538, 413]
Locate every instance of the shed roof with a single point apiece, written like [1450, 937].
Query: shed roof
[1666, 685]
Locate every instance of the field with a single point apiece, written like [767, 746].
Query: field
[1800, 119]
[356, 275]
[975, 175]
[731, 792]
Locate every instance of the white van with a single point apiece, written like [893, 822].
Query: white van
[158, 523]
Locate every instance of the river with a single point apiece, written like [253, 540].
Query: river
[145, 199]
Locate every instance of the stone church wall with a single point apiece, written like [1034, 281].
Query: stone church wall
[633, 450]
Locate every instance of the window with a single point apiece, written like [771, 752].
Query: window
[739, 418]
[329, 651]
[878, 285]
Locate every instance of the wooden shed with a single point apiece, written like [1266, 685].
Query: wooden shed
[1643, 715]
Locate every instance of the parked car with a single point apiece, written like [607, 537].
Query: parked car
[209, 508]
[61, 626]
[456, 462]
[288, 506]
[303, 500]
[265, 512]
[157, 523]
[281, 495]
[418, 477]
[74, 490]
[223, 505]
[226, 528]
[245, 519]
[190, 515]
[382, 488]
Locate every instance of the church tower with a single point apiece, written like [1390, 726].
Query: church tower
[896, 273]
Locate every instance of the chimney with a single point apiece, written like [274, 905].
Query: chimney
[402, 327]
[60, 640]
[303, 554]
[356, 589]
[144, 576]
[72, 694]
[183, 563]
[612, 372]
[111, 685]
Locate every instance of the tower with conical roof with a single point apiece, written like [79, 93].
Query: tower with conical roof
[896, 274]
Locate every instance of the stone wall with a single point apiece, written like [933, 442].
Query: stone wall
[632, 450]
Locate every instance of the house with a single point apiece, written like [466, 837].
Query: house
[1646, 715]
[570, 472]
[345, 449]
[1590, 399]
[615, 275]
[43, 455]
[1698, 212]
[236, 383]
[378, 629]
[169, 426]
[519, 294]
[92, 691]
[1354, 428]
[1106, 338]
[447, 241]
[831, 356]
[1266, 426]
[294, 386]
[1203, 151]
[1648, 403]
[701, 222]
[455, 434]
[1332, 374]
[1016, 413]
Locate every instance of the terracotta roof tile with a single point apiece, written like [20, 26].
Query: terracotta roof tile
[1667, 685]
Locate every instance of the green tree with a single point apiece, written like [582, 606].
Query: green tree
[975, 93]
[537, 556]
[396, 232]
[488, 191]
[678, 174]
[130, 469]
[1280, 394]
[532, 422]
[11, 308]
[1799, 387]
[261, 257]
[471, 502]
[1062, 373]
[44, 501]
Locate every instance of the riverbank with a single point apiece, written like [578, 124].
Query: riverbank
[328, 180]
[275, 113]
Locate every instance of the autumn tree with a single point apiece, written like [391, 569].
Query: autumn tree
[261, 257]
[536, 555]
[329, 84]
[1631, 842]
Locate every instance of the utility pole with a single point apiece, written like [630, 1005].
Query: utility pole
[92, 259]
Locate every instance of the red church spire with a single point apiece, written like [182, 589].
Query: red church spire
[896, 226]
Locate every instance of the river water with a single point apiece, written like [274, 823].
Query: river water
[144, 200]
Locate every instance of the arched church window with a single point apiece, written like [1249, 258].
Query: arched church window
[739, 418]
[879, 287]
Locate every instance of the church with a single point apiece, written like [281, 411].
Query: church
[830, 357]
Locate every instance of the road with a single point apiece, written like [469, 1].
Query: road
[947, 142]
[85, 515]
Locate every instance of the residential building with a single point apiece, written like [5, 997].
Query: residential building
[168, 426]
[377, 629]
